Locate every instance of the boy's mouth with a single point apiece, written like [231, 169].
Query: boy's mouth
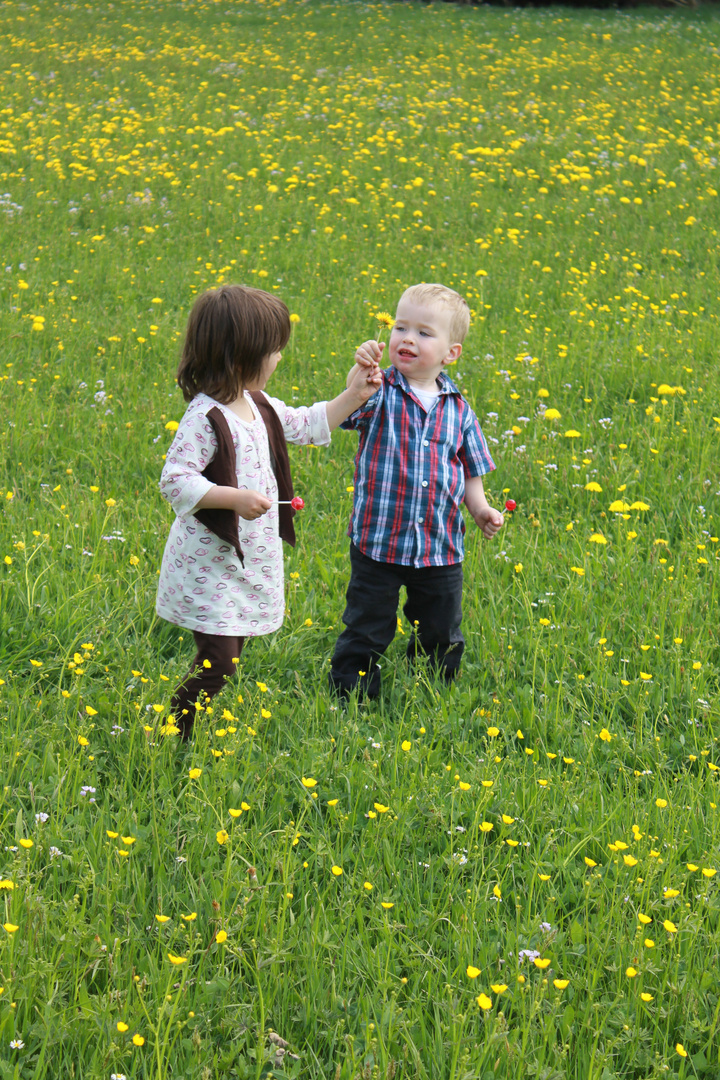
[406, 354]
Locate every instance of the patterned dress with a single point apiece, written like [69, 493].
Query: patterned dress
[202, 585]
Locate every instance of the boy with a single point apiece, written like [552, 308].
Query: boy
[421, 453]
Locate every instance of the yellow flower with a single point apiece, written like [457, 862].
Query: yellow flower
[540, 963]
[176, 959]
[498, 988]
[605, 735]
[629, 860]
[138, 1040]
[405, 745]
[493, 732]
[83, 741]
[6, 883]
[578, 570]
[681, 1050]
[336, 870]
[234, 813]
[464, 786]
[10, 927]
[128, 840]
[597, 538]
[670, 926]
[561, 984]
[294, 318]
[195, 773]
[385, 319]
[646, 997]
[593, 486]
[572, 434]
[172, 425]
[472, 972]
[386, 904]
[221, 937]
[380, 808]
[709, 871]
[484, 1001]
[162, 918]
[308, 782]
[644, 919]
[486, 826]
[551, 414]
[590, 862]
[222, 836]
[631, 972]
[122, 1026]
[25, 843]
[367, 885]
[191, 917]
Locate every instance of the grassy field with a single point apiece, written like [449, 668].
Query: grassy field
[514, 877]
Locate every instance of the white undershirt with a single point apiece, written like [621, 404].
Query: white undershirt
[427, 397]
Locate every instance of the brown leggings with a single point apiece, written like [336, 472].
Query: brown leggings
[222, 655]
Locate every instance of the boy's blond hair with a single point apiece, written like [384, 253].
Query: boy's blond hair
[429, 293]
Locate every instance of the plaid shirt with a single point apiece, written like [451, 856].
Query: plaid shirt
[410, 473]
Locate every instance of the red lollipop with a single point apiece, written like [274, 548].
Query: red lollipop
[297, 503]
[510, 505]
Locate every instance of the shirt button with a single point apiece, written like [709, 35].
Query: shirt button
[425, 442]
[424, 483]
[421, 521]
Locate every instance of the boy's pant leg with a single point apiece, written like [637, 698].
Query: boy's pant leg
[434, 609]
[222, 654]
[370, 619]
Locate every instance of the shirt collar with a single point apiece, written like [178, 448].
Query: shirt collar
[447, 386]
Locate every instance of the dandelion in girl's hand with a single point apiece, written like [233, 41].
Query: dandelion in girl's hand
[385, 320]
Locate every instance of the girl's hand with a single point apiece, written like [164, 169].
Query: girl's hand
[363, 382]
[250, 504]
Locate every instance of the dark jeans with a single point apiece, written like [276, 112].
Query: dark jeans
[433, 607]
[221, 654]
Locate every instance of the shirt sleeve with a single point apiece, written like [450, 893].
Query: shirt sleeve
[305, 425]
[191, 451]
[474, 452]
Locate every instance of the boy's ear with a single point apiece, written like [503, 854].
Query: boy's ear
[453, 354]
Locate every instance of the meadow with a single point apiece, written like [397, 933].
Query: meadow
[513, 877]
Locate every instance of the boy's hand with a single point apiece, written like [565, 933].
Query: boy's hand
[369, 354]
[488, 520]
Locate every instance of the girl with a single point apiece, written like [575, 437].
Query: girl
[227, 468]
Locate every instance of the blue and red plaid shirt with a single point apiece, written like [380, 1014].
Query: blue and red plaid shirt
[410, 473]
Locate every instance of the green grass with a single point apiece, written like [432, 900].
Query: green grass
[560, 170]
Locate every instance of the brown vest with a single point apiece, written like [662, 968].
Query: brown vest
[222, 470]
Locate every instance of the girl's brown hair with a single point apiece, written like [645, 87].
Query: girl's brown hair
[230, 331]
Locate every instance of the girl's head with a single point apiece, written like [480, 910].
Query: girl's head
[230, 332]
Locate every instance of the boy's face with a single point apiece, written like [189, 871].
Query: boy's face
[420, 344]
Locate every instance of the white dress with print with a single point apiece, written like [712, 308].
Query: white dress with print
[202, 585]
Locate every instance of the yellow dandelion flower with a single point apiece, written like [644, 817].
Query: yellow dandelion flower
[472, 972]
